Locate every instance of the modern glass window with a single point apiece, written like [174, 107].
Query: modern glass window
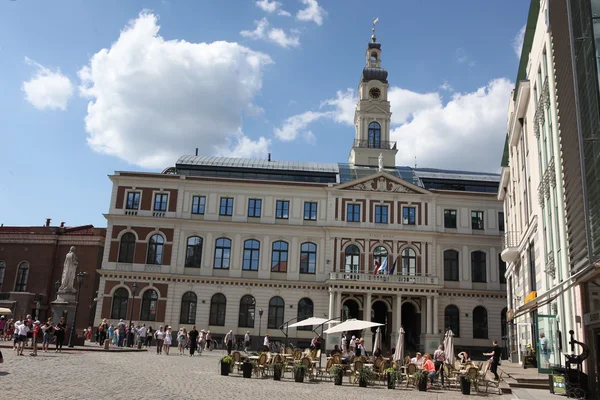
[251, 253]
[282, 209]
[254, 208]
[133, 201]
[218, 306]
[222, 253]
[478, 262]
[193, 252]
[310, 211]
[409, 262]
[477, 220]
[501, 221]
[501, 270]
[381, 214]
[276, 310]
[308, 258]
[187, 313]
[353, 212]
[480, 323]
[503, 323]
[198, 204]
[450, 219]
[279, 256]
[451, 265]
[119, 304]
[2, 271]
[149, 305]
[452, 319]
[160, 201]
[380, 253]
[247, 309]
[226, 208]
[352, 259]
[22, 277]
[127, 248]
[305, 310]
[374, 135]
[409, 215]
[155, 250]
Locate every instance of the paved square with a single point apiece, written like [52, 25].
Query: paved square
[88, 375]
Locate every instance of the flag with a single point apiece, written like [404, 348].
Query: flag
[393, 267]
[384, 266]
[376, 268]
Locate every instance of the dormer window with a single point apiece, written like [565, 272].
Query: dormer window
[374, 135]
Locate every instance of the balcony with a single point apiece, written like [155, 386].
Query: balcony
[124, 267]
[510, 246]
[374, 144]
[401, 279]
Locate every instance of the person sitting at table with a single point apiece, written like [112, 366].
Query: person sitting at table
[429, 367]
[336, 350]
[418, 360]
[377, 353]
[360, 347]
[464, 357]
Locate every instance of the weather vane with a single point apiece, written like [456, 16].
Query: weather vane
[374, 22]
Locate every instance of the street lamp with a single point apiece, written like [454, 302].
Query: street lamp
[130, 333]
[260, 313]
[80, 275]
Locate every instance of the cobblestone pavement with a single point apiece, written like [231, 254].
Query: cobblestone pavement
[89, 375]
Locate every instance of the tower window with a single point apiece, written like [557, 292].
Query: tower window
[374, 56]
[374, 135]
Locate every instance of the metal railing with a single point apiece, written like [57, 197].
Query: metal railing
[375, 144]
[152, 268]
[511, 239]
[361, 277]
[124, 267]
[550, 266]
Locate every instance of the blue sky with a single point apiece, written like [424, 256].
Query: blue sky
[89, 88]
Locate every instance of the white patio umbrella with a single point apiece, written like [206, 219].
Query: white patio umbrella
[449, 347]
[309, 322]
[377, 342]
[399, 354]
[4, 311]
[352, 325]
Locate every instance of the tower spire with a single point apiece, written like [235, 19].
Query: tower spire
[373, 37]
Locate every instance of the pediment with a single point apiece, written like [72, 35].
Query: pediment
[374, 108]
[383, 182]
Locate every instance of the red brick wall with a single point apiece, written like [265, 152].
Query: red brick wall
[140, 253]
[121, 196]
[173, 199]
[162, 305]
[113, 253]
[162, 288]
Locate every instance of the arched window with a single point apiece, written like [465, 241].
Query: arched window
[127, 248]
[279, 256]
[251, 252]
[119, 304]
[222, 253]
[247, 309]
[218, 305]
[503, 324]
[380, 253]
[149, 305]
[193, 252]
[451, 265]
[374, 135]
[352, 256]
[409, 262]
[452, 319]
[502, 270]
[480, 323]
[187, 315]
[478, 273]
[22, 277]
[2, 270]
[155, 250]
[276, 310]
[308, 258]
[305, 310]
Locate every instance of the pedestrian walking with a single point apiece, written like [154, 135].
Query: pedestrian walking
[229, 341]
[34, 337]
[181, 340]
[159, 335]
[149, 336]
[193, 336]
[168, 340]
[59, 334]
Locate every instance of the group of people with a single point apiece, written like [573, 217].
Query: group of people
[27, 332]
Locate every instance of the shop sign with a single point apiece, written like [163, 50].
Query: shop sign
[591, 318]
[531, 296]
[559, 384]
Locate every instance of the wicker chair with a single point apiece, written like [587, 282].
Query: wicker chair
[237, 360]
[411, 369]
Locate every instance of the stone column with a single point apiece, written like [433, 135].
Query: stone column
[368, 335]
[428, 316]
[435, 316]
[331, 303]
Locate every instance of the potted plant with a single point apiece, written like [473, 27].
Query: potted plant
[465, 383]
[421, 380]
[391, 378]
[226, 364]
[277, 370]
[247, 368]
[365, 375]
[299, 372]
[338, 374]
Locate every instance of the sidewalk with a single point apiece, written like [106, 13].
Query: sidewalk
[534, 394]
[88, 347]
[517, 372]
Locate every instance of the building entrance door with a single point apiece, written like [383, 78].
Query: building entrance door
[351, 310]
[411, 322]
[548, 343]
[379, 314]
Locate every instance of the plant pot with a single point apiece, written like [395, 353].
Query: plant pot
[338, 378]
[514, 357]
[277, 374]
[391, 381]
[465, 386]
[225, 368]
[422, 385]
[299, 376]
[362, 383]
[247, 369]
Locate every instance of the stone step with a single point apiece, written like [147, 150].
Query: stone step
[530, 385]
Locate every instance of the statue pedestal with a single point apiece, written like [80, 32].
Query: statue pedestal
[64, 306]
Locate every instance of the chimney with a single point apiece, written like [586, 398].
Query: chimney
[269, 157]
[62, 224]
[196, 152]
[48, 220]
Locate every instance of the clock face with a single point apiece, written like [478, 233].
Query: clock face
[375, 93]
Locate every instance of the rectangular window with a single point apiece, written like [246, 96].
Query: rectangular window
[198, 204]
[409, 215]
[254, 207]
[501, 221]
[353, 213]
[532, 274]
[477, 220]
[133, 201]
[282, 209]
[310, 211]
[226, 208]
[381, 214]
[450, 219]
[502, 270]
[160, 201]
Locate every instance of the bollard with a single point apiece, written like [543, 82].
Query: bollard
[106, 344]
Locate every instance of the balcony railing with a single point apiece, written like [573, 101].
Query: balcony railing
[152, 268]
[510, 246]
[406, 279]
[124, 267]
[550, 266]
[374, 144]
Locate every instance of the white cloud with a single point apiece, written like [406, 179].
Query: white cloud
[313, 12]
[447, 87]
[245, 147]
[275, 35]
[295, 125]
[343, 105]
[47, 89]
[272, 6]
[153, 100]
[463, 58]
[518, 41]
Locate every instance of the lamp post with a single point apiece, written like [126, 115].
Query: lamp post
[130, 333]
[260, 313]
[80, 275]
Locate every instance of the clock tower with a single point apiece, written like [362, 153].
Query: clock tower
[372, 115]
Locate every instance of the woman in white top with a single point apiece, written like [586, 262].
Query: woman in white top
[159, 335]
[168, 340]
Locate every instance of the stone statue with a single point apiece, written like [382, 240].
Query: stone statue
[380, 161]
[69, 271]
